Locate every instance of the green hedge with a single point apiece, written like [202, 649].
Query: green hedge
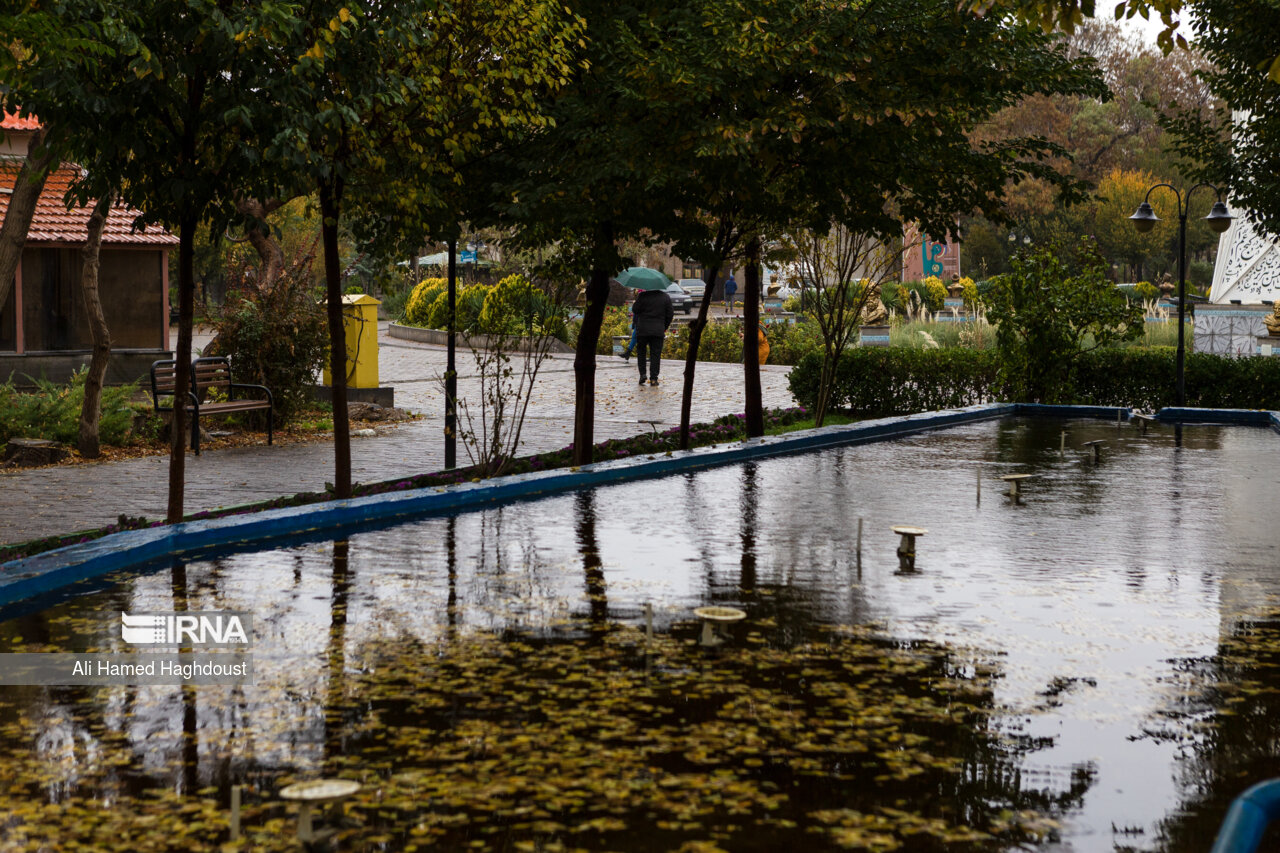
[878, 381]
[874, 381]
[1147, 378]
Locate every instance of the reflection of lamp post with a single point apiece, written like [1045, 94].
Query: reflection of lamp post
[1219, 219]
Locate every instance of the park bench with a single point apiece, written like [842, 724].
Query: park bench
[207, 374]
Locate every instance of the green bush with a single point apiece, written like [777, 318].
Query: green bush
[395, 301]
[895, 294]
[935, 293]
[52, 411]
[1146, 379]
[879, 381]
[468, 304]
[277, 337]
[417, 310]
[617, 321]
[514, 306]
[1044, 308]
[788, 343]
[720, 342]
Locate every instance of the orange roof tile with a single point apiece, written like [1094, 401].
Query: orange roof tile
[53, 223]
[14, 122]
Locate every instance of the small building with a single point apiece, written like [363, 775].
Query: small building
[44, 331]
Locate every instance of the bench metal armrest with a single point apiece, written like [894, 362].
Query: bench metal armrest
[264, 389]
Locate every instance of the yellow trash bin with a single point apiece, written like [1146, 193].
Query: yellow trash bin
[360, 322]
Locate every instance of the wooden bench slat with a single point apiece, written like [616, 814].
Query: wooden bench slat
[207, 373]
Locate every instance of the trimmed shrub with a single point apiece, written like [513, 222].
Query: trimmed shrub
[889, 381]
[935, 293]
[469, 304]
[417, 310]
[1146, 379]
[879, 381]
[514, 306]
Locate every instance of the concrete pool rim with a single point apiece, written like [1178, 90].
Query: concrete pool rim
[52, 570]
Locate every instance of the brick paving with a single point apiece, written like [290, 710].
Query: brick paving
[48, 501]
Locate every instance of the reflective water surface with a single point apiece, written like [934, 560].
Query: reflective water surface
[1091, 667]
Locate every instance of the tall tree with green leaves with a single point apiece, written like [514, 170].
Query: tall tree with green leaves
[156, 106]
[595, 176]
[388, 106]
[802, 113]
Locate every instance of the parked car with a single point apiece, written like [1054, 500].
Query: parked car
[692, 286]
[680, 300]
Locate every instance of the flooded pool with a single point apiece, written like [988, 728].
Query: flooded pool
[1090, 667]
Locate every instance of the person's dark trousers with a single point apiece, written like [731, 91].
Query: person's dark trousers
[652, 346]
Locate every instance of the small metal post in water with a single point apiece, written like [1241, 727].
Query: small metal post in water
[235, 812]
[648, 622]
[979, 484]
[1062, 445]
[859, 542]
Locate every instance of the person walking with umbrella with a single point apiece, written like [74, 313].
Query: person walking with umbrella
[652, 313]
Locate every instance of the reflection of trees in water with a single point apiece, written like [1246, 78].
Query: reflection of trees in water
[795, 582]
[1230, 721]
[592, 565]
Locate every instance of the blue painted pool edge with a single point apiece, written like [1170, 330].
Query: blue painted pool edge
[1243, 417]
[1247, 819]
[42, 573]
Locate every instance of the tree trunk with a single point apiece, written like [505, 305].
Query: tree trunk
[330, 209]
[270, 255]
[691, 358]
[451, 364]
[750, 337]
[22, 206]
[826, 379]
[182, 371]
[584, 362]
[91, 409]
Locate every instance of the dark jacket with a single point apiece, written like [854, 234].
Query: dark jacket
[653, 313]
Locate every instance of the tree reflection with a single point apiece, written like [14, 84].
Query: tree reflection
[1231, 724]
[190, 731]
[592, 564]
[337, 650]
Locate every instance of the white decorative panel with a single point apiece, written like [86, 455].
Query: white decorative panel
[1248, 267]
[1229, 330]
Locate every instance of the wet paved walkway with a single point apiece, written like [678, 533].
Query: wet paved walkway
[49, 501]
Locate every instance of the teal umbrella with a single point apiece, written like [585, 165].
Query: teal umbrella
[643, 278]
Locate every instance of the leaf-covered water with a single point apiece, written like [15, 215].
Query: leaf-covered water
[1089, 669]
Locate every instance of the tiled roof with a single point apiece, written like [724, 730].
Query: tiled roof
[53, 223]
[13, 122]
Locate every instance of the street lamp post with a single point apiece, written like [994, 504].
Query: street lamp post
[1219, 219]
